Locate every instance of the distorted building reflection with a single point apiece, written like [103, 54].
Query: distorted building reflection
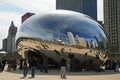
[71, 38]
[61, 33]
[81, 41]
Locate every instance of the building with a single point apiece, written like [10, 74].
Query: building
[4, 45]
[88, 7]
[11, 47]
[26, 16]
[71, 38]
[112, 24]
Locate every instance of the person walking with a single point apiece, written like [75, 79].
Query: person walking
[63, 67]
[25, 67]
[33, 64]
[4, 61]
[21, 65]
[117, 66]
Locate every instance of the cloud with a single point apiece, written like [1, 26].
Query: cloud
[10, 7]
[14, 9]
[32, 5]
[6, 18]
[3, 33]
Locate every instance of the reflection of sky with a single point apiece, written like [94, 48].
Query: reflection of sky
[53, 26]
[63, 24]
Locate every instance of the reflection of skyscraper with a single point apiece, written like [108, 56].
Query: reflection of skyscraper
[26, 16]
[92, 44]
[96, 40]
[98, 43]
[71, 38]
[104, 41]
[88, 7]
[89, 44]
[81, 41]
[64, 24]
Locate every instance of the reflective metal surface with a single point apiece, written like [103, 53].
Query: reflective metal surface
[62, 32]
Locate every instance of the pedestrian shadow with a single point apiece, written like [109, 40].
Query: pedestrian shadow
[37, 72]
[57, 72]
[31, 77]
[22, 77]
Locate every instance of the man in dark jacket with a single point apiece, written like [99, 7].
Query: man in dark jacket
[63, 67]
[33, 64]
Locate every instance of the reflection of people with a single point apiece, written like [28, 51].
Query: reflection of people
[63, 68]
[85, 54]
[62, 50]
[68, 64]
[45, 63]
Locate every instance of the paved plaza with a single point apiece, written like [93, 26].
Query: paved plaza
[55, 75]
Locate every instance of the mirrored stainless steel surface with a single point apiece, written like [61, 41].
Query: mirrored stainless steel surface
[62, 32]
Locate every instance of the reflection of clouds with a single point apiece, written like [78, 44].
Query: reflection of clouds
[35, 35]
[63, 24]
[50, 27]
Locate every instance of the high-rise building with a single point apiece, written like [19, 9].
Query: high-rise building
[71, 38]
[11, 47]
[112, 24]
[4, 45]
[88, 7]
[26, 16]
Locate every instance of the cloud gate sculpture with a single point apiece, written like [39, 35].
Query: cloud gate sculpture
[62, 33]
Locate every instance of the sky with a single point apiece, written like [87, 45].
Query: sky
[12, 10]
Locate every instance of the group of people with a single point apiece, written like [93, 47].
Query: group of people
[12, 63]
[26, 63]
[34, 63]
[112, 65]
[71, 64]
[67, 64]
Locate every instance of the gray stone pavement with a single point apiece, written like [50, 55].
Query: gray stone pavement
[55, 75]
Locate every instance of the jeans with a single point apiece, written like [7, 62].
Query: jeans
[41, 68]
[68, 67]
[33, 71]
[25, 71]
[45, 69]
